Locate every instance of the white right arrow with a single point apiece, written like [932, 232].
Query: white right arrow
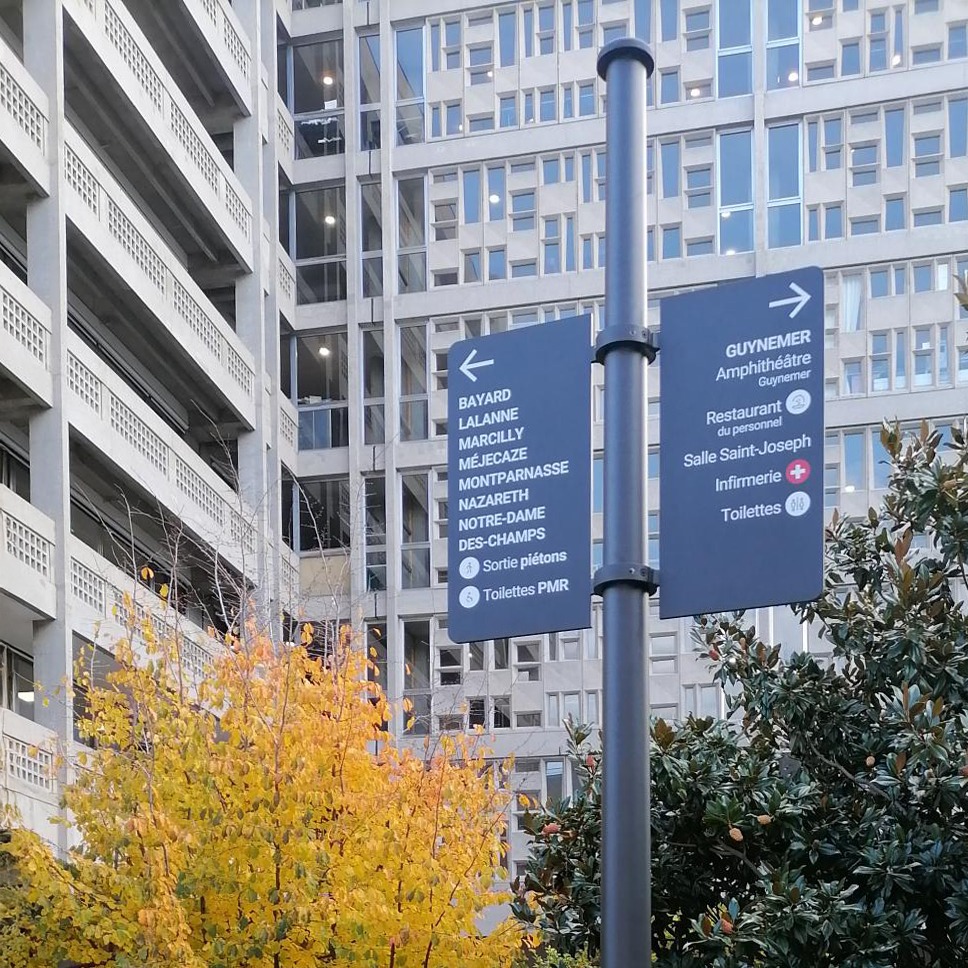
[468, 366]
[801, 298]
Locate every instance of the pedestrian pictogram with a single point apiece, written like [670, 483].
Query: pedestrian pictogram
[798, 471]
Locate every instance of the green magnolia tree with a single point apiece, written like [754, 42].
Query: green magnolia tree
[823, 824]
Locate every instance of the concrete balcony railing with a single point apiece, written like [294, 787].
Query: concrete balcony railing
[101, 595]
[286, 136]
[115, 227]
[27, 769]
[24, 337]
[26, 554]
[130, 59]
[289, 580]
[288, 433]
[286, 283]
[24, 112]
[227, 41]
[120, 424]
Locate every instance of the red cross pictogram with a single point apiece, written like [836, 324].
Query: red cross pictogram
[797, 471]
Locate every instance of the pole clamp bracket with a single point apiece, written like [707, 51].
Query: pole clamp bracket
[626, 573]
[613, 337]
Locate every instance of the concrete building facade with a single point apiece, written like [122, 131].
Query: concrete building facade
[239, 239]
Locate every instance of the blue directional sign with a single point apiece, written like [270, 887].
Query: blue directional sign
[742, 437]
[519, 482]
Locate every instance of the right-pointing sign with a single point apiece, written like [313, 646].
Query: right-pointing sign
[742, 437]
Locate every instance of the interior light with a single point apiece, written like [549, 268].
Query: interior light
[725, 214]
[330, 219]
[490, 73]
[328, 80]
[494, 198]
[27, 696]
[793, 77]
[895, 60]
[695, 92]
[324, 351]
[817, 20]
[730, 252]
[848, 489]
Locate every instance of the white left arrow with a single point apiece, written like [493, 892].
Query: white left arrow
[798, 301]
[469, 366]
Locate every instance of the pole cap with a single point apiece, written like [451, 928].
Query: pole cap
[625, 47]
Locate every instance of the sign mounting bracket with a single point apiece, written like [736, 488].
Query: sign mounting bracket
[627, 573]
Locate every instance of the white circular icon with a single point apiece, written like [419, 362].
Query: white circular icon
[798, 402]
[469, 568]
[797, 503]
[469, 597]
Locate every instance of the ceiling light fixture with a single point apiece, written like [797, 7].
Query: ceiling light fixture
[725, 214]
[793, 77]
[695, 92]
[328, 80]
[324, 351]
[494, 198]
[330, 219]
[817, 20]
[895, 60]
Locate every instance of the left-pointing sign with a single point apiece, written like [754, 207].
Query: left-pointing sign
[519, 482]
[471, 364]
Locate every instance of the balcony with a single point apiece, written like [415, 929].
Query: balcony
[128, 250]
[26, 556]
[110, 60]
[286, 138]
[23, 120]
[288, 433]
[24, 342]
[27, 777]
[204, 45]
[100, 595]
[120, 425]
[286, 282]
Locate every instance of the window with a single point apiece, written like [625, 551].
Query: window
[784, 217]
[957, 41]
[863, 164]
[411, 235]
[371, 238]
[669, 86]
[671, 241]
[783, 44]
[850, 58]
[926, 55]
[318, 243]
[496, 264]
[586, 99]
[701, 701]
[373, 387]
[414, 381]
[501, 712]
[17, 681]
[669, 157]
[928, 216]
[324, 515]
[734, 73]
[321, 389]
[508, 111]
[522, 211]
[415, 531]
[894, 136]
[958, 127]
[669, 17]
[735, 192]
[697, 29]
[958, 205]
[472, 195]
[866, 225]
[546, 105]
[699, 187]
[369, 53]
[927, 155]
[507, 28]
[528, 660]
[317, 97]
[833, 221]
[410, 85]
[894, 214]
[663, 655]
[450, 666]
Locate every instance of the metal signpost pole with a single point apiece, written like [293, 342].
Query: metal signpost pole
[624, 347]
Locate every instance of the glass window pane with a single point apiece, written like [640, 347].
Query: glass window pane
[782, 17]
[410, 67]
[784, 160]
[370, 69]
[784, 225]
[782, 66]
[735, 74]
[734, 23]
[736, 168]
[411, 228]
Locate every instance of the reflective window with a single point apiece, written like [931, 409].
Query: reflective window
[784, 218]
[324, 514]
[669, 155]
[410, 86]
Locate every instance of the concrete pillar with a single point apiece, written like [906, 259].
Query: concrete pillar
[49, 440]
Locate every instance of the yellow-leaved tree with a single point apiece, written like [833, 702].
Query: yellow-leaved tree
[259, 817]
